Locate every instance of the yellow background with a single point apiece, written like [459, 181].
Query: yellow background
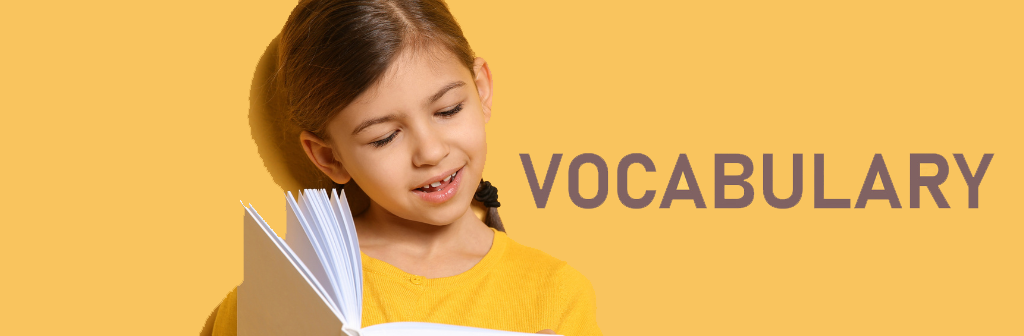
[126, 148]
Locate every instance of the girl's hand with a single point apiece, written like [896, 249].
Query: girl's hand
[547, 331]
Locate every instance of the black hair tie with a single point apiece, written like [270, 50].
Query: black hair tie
[487, 194]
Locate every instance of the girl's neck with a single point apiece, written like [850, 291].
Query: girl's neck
[423, 249]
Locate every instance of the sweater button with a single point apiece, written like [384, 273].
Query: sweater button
[416, 280]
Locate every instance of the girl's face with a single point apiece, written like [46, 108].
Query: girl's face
[421, 124]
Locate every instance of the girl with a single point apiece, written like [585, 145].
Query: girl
[388, 93]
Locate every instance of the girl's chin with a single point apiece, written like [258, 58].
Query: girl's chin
[440, 216]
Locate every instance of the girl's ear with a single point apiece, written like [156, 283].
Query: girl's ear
[484, 85]
[320, 152]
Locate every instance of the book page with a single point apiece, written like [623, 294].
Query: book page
[305, 211]
[307, 247]
[324, 221]
[348, 274]
[276, 297]
[347, 225]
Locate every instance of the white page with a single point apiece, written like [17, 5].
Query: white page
[278, 297]
[352, 307]
[351, 224]
[326, 256]
[306, 221]
[306, 247]
[318, 207]
[347, 226]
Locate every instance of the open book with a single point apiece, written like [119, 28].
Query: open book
[312, 282]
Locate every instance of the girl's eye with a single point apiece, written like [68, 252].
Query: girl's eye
[444, 114]
[380, 143]
[450, 112]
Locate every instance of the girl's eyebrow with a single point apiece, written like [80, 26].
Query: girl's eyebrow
[374, 121]
[440, 93]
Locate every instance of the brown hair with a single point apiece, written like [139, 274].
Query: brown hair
[331, 51]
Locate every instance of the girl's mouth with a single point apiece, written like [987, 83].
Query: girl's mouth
[440, 191]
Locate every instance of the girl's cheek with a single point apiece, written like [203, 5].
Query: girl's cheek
[378, 171]
[477, 140]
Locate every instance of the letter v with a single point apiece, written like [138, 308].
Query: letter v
[540, 195]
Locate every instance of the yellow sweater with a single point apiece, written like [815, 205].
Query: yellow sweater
[513, 287]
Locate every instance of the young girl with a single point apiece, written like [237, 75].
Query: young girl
[388, 93]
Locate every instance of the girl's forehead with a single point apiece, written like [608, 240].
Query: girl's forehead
[414, 75]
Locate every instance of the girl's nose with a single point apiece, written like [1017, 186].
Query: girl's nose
[430, 148]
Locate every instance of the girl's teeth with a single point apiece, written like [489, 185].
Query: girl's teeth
[438, 184]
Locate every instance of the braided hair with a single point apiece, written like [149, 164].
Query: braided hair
[487, 194]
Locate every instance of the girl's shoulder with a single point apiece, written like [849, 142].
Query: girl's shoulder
[523, 260]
